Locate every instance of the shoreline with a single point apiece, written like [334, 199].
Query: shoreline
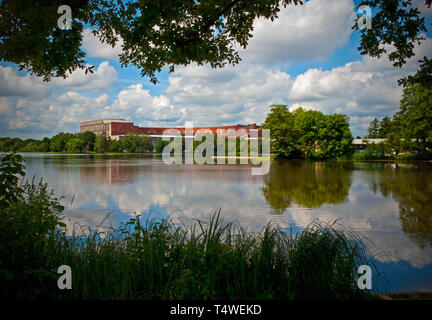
[420, 295]
[271, 156]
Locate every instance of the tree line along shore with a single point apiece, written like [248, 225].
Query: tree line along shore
[297, 134]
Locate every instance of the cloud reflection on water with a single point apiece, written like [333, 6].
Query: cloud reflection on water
[387, 203]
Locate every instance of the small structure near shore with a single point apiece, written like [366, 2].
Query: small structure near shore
[361, 144]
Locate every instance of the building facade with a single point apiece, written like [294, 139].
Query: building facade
[116, 129]
[102, 126]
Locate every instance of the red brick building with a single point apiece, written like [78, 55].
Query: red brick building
[116, 129]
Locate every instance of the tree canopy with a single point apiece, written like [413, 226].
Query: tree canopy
[136, 143]
[308, 134]
[410, 129]
[168, 33]
[78, 143]
[373, 130]
[397, 27]
[154, 33]
[282, 132]
[416, 116]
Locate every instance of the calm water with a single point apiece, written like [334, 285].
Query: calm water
[389, 203]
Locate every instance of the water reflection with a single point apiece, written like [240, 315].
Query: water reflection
[113, 171]
[410, 185]
[307, 184]
[388, 203]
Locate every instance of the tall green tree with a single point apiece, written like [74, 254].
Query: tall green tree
[394, 143]
[373, 129]
[58, 142]
[101, 143]
[323, 136]
[74, 145]
[337, 136]
[415, 116]
[282, 131]
[385, 127]
[44, 145]
[88, 138]
[309, 134]
[309, 124]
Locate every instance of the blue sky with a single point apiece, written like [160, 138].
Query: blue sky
[308, 57]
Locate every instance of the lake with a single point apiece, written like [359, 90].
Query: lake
[389, 203]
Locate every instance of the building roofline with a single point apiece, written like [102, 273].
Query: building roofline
[106, 119]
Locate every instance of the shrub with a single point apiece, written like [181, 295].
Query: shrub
[160, 145]
[136, 143]
[28, 222]
[74, 145]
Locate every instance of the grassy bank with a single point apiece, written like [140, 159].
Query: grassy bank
[158, 259]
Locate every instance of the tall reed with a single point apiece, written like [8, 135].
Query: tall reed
[158, 259]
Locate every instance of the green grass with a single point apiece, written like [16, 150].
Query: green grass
[159, 259]
[162, 260]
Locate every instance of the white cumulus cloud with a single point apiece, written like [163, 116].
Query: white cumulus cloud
[11, 84]
[96, 49]
[311, 31]
[103, 78]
